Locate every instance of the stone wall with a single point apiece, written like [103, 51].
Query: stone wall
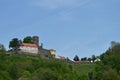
[44, 53]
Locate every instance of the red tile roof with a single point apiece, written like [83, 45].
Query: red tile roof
[29, 45]
[61, 57]
[81, 61]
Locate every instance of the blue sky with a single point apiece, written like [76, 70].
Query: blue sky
[71, 27]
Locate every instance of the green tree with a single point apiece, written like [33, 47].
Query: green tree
[28, 39]
[89, 59]
[112, 56]
[14, 44]
[93, 57]
[110, 74]
[76, 58]
[2, 47]
[111, 63]
[84, 59]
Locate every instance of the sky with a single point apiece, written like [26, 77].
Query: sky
[71, 27]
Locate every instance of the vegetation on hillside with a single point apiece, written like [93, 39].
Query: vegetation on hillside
[109, 67]
[26, 67]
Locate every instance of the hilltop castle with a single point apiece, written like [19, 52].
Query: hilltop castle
[36, 49]
[32, 48]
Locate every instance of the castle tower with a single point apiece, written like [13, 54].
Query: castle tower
[36, 40]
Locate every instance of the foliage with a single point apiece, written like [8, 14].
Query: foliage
[110, 68]
[76, 58]
[84, 59]
[28, 39]
[14, 44]
[93, 58]
[2, 47]
[27, 67]
[89, 59]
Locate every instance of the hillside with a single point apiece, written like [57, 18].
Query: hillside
[24, 67]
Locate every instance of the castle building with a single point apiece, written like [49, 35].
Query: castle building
[36, 49]
[29, 48]
[52, 51]
[36, 40]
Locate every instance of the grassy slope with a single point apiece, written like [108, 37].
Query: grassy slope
[83, 69]
[16, 65]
